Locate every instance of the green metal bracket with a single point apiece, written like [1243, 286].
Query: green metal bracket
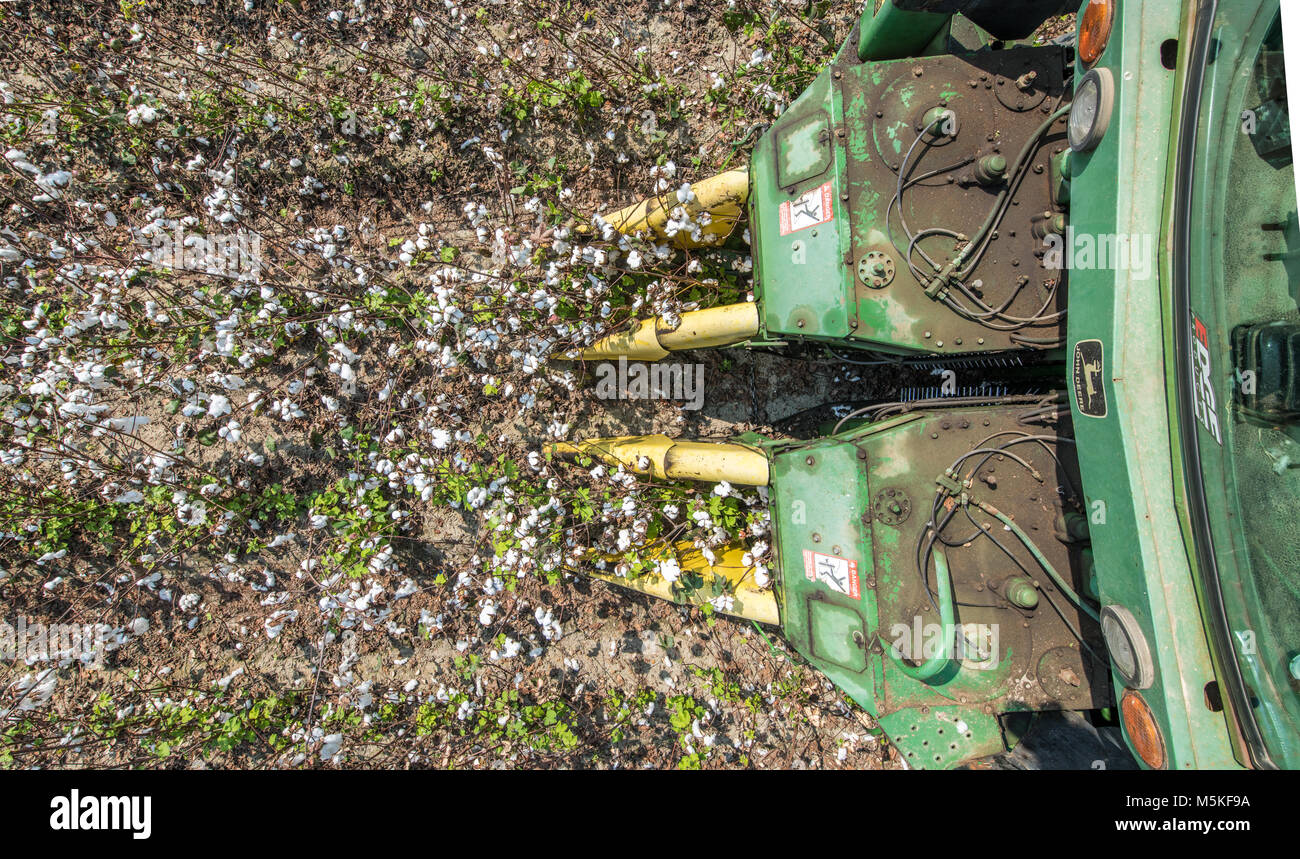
[889, 33]
[940, 737]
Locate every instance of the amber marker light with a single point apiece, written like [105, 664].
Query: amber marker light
[1094, 29]
[1143, 732]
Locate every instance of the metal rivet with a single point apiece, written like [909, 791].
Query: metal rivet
[809, 461]
[816, 538]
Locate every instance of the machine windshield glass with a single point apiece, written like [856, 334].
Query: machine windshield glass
[1243, 352]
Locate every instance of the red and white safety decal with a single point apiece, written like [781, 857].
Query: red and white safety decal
[840, 574]
[812, 208]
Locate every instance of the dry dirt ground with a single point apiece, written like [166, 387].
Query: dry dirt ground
[307, 505]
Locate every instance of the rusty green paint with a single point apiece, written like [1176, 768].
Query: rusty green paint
[820, 493]
[831, 303]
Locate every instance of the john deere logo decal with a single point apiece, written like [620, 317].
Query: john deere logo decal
[1089, 390]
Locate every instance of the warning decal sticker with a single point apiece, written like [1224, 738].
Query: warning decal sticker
[840, 574]
[812, 208]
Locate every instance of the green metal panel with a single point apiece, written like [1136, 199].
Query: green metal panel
[818, 493]
[849, 512]
[890, 33]
[797, 177]
[832, 262]
[1125, 454]
[938, 737]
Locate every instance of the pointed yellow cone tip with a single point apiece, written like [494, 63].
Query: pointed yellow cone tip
[749, 599]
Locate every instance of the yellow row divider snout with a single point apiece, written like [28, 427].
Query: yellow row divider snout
[651, 339]
[668, 459]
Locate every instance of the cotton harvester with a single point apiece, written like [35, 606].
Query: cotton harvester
[955, 563]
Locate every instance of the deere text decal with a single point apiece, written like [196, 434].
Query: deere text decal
[1202, 386]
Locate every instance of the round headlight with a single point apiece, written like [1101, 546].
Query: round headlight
[1127, 646]
[1090, 110]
